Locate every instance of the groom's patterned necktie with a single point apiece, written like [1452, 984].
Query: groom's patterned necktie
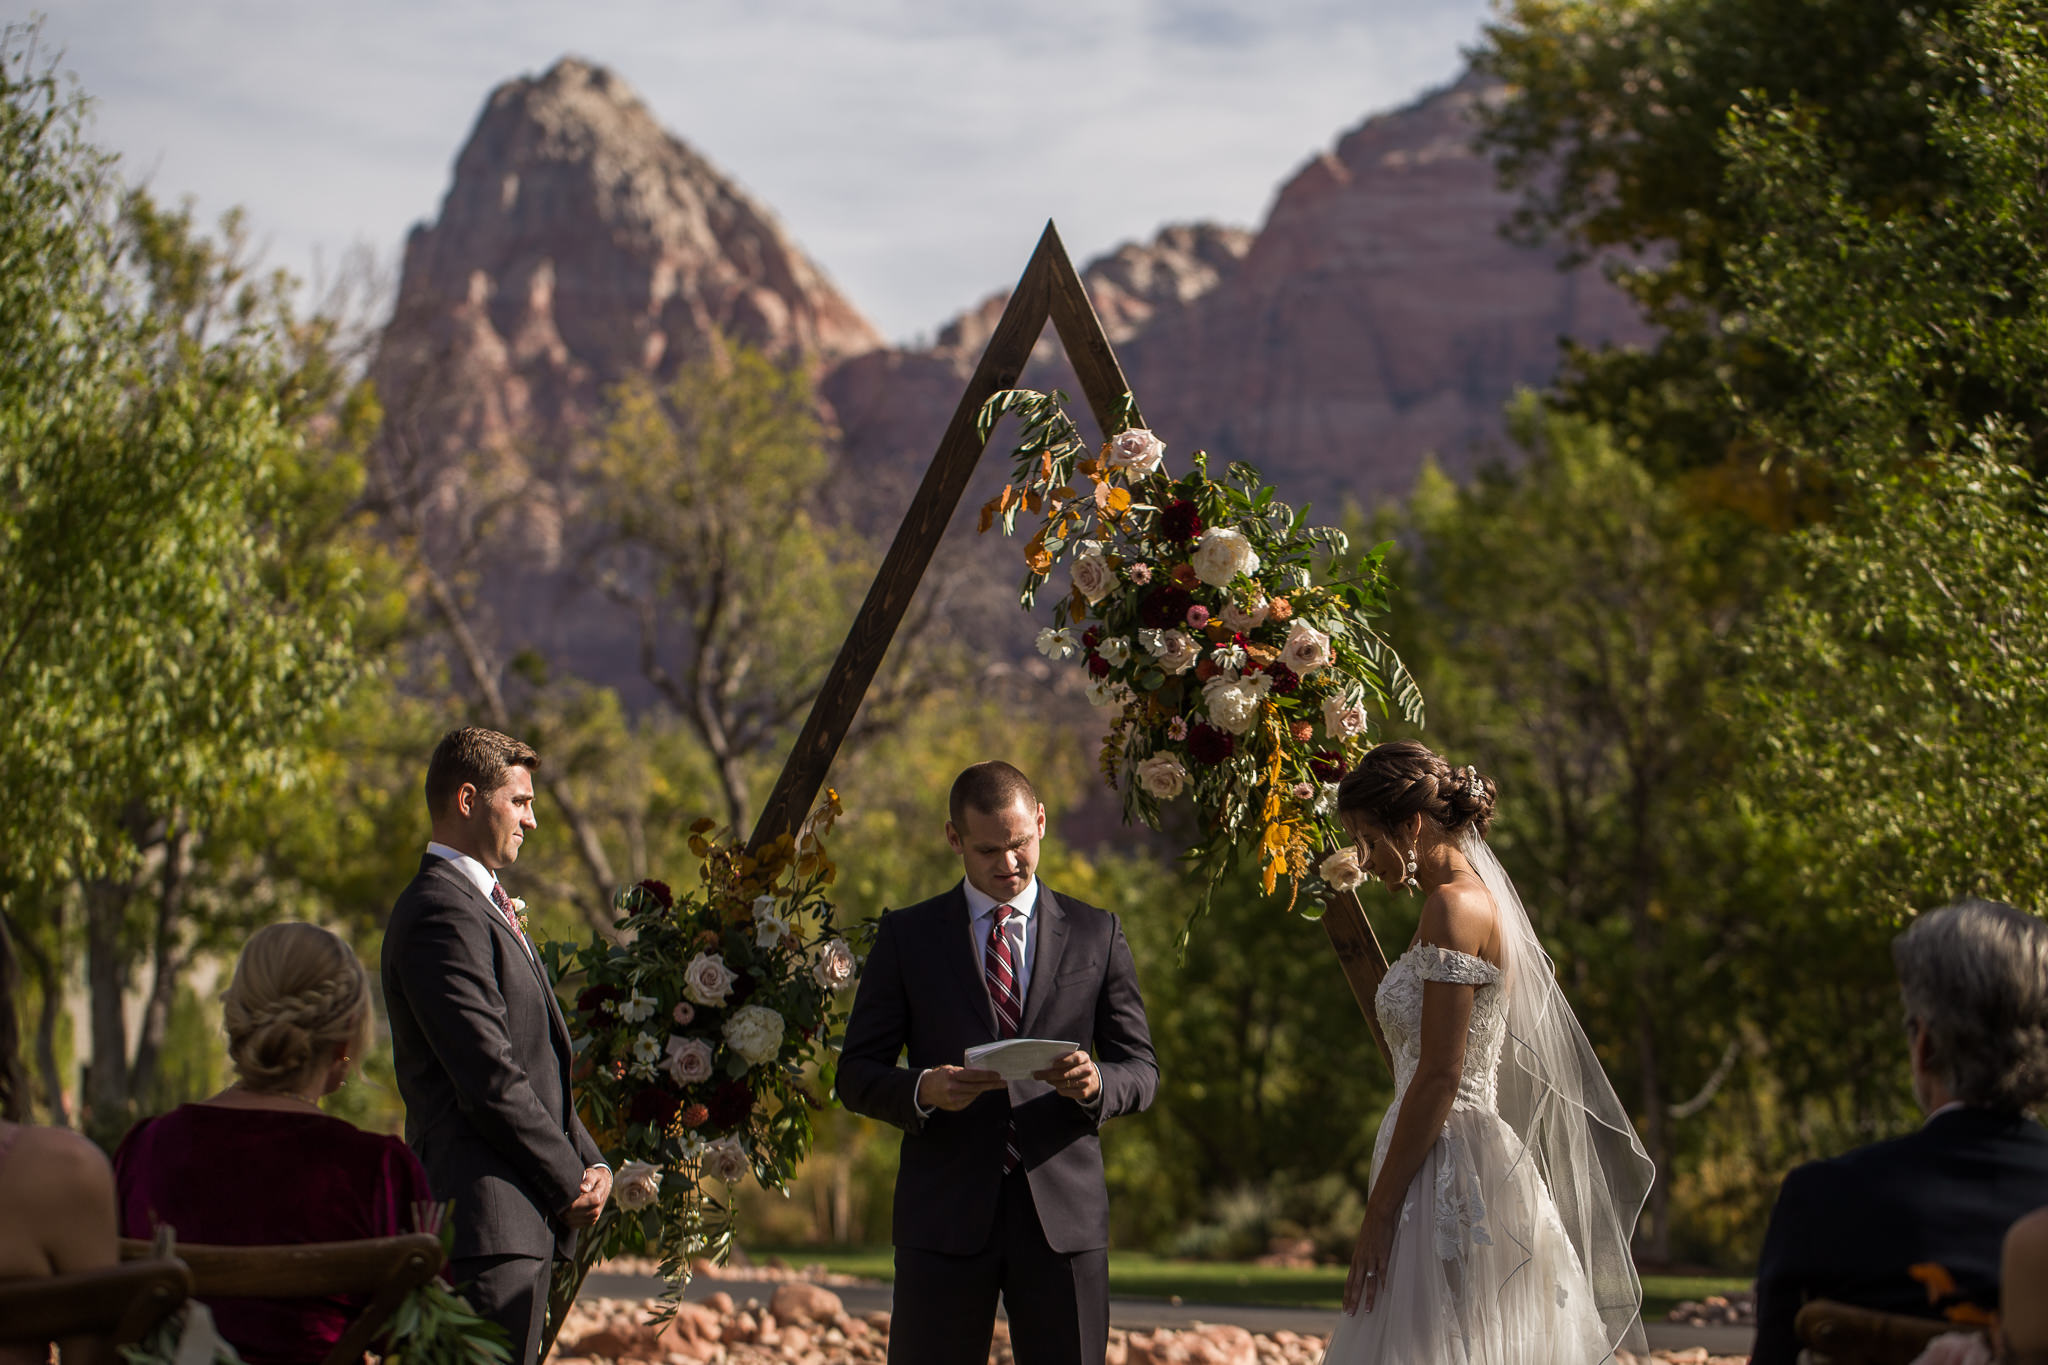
[504, 904]
[999, 965]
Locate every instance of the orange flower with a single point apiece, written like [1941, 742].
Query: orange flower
[1279, 609]
[693, 1116]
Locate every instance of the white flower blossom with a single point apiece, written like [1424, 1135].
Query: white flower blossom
[755, 1032]
[1175, 649]
[1137, 450]
[1093, 578]
[1307, 649]
[1103, 692]
[1162, 777]
[1057, 644]
[726, 1160]
[1342, 870]
[638, 1185]
[1343, 717]
[833, 968]
[638, 1008]
[769, 926]
[687, 1060]
[1117, 650]
[707, 980]
[1234, 702]
[646, 1048]
[1222, 555]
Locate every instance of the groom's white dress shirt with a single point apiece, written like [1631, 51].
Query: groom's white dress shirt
[1022, 931]
[479, 876]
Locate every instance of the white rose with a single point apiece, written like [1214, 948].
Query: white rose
[1342, 870]
[769, 925]
[646, 1047]
[726, 1160]
[637, 1185]
[1234, 702]
[1307, 649]
[755, 1032]
[638, 1008]
[1162, 777]
[1093, 577]
[1103, 692]
[1343, 717]
[1240, 620]
[1222, 556]
[688, 1059]
[707, 980]
[1117, 650]
[1057, 644]
[1175, 651]
[834, 968]
[1137, 450]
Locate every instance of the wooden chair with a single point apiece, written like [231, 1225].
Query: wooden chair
[385, 1268]
[1841, 1334]
[112, 1308]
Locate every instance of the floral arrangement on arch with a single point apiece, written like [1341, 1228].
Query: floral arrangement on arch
[1236, 681]
[696, 1039]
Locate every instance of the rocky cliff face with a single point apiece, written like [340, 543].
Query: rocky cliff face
[580, 243]
[1378, 316]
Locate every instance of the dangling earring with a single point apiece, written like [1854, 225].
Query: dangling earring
[1408, 880]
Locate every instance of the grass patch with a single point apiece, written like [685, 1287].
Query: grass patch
[1137, 1275]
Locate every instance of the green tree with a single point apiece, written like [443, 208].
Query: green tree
[178, 593]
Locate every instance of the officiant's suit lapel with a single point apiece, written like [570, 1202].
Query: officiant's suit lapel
[1045, 958]
[965, 963]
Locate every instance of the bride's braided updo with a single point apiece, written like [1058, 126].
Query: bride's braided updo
[298, 990]
[1401, 779]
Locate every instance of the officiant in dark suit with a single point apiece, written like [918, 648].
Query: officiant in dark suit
[1000, 1189]
[482, 1050]
[1915, 1225]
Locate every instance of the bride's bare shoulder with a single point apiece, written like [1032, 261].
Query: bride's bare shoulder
[1459, 915]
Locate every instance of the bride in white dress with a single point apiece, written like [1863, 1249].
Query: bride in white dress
[1507, 1177]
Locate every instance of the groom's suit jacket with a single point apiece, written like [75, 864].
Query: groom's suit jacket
[483, 1064]
[923, 992]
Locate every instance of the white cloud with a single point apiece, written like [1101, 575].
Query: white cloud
[914, 147]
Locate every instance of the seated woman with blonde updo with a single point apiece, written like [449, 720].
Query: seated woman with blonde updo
[259, 1164]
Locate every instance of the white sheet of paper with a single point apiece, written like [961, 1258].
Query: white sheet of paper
[1014, 1059]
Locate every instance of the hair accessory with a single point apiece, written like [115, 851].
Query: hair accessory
[1475, 785]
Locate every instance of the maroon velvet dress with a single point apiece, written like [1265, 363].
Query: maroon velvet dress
[259, 1177]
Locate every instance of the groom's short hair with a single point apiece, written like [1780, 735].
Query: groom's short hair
[988, 787]
[475, 756]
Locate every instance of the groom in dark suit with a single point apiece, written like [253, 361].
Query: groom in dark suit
[999, 1190]
[481, 1048]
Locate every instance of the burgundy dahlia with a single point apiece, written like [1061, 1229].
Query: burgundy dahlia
[654, 1105]
[588, 1002]
[660, 892]
[1165, 607]
[1180, 520]
[1091, 638]
[730, 1105]
[1328, 765]
[1207, 744]
[1285, 679]
[1098, 665]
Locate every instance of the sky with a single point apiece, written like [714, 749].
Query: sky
[913, 148]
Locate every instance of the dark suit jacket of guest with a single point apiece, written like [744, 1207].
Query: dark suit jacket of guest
[483, 1063]
[923, 991]
[1848, 1228]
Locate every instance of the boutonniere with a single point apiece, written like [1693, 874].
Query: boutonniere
[519, 913]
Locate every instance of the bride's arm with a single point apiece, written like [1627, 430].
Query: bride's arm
[1449, 920]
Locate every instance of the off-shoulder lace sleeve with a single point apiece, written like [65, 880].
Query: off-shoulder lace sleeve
[1433, 963]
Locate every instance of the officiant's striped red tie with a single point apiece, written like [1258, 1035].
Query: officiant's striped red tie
[1000, 966]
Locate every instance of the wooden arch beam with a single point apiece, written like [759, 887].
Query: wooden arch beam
[1049, 289]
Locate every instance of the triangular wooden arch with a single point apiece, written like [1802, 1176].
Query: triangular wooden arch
[1049, 288]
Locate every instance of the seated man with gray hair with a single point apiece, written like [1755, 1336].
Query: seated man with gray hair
[1915, 1225]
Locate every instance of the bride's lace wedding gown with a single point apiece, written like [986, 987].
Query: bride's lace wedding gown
[1481, 1271]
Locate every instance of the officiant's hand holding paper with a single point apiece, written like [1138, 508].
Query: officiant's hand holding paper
[1074, 1076]
[955, 1087]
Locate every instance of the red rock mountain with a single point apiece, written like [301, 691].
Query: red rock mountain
[1375, 317]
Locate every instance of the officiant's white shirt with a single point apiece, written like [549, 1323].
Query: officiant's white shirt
[479, 876]
[1023, 932]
